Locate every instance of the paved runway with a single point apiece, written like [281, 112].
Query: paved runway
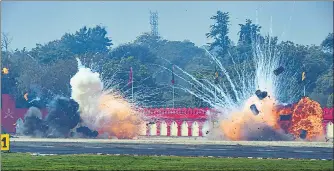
[173, 149]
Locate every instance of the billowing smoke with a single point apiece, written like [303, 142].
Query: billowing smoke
[62, 116]
[108, 113]
[86, 132]
[34, 125]
[86, 89]
[90, 111]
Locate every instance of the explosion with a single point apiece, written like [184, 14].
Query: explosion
[248, 106]
[307, 116]
[99, 110]
[245, 125]
[124, 121]
[91, 111]
[306, 121]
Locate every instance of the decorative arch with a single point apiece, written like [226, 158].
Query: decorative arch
[329, 130]
[205, 128]
[184, 129]
[195, 129]
[173, 129]
[163, 129]
[153, 129]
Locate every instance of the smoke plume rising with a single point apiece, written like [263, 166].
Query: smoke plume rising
[100, 109]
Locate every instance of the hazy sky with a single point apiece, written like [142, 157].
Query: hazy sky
[29, 23]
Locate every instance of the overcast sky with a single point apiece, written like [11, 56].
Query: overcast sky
[29, 23]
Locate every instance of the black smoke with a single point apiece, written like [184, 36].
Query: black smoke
[34, 125]
[63, 116]
[86, 132]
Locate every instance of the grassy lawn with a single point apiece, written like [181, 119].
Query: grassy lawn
[22, 161]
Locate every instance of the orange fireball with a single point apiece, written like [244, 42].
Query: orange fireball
[307, 115]
[124, 122]
[234, 128]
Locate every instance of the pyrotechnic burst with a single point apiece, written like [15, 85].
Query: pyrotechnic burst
[307, 120]
[247, 105]
[102, 109]
[92, 110]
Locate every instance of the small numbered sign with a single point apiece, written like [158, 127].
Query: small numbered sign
[4, 142]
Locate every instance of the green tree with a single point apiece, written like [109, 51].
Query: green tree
[219, 32]
[324, 88]
[88, 40]
[327, 44]
[5, 41]
[50, 52]
[248, 33]
[142, 53]
[148, 40]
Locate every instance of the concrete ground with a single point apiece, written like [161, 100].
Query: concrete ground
[179, 140]
[181, 146]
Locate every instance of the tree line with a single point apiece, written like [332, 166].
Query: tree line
[45, 70]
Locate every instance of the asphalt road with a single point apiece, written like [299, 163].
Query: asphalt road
[174, 149]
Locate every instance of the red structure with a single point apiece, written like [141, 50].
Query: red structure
[193, 117]
[327, 118]
[10, 114]
[166, 119]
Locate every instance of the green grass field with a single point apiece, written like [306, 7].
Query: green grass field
[23, 161]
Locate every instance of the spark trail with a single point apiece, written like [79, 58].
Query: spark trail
[235, 94]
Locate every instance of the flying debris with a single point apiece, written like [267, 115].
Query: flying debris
[285, 117]
[279, 70]
[254, 109]
[150, 123]
[303, 134]
[261, 94]
[5, 70]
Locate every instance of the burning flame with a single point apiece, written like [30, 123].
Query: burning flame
[5, 70]
[123, 121]
[307, 115]
[234, 127]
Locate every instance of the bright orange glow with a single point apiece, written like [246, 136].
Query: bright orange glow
[125, 122]
[232, 127]
[307, 115]
[5, 70]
